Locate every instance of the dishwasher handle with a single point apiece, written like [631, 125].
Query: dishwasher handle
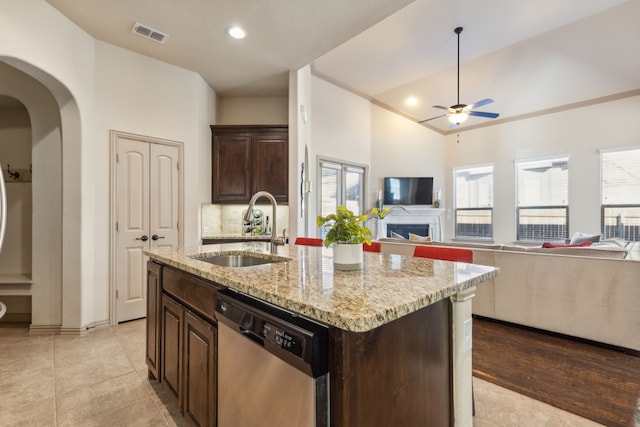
[250, 335]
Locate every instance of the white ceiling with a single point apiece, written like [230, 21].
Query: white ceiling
[527, 56]
[282, 35]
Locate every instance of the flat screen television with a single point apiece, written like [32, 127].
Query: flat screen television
[408, 190]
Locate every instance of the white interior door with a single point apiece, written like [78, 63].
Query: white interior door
[163, 191]
[147, 182]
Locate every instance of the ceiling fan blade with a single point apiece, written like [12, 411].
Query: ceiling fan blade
[432, 118]
[479, 104]
[441, 107]
[483, 114]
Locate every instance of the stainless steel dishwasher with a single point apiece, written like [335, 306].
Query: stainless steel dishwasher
[272, 365]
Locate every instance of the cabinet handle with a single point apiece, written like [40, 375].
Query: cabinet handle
[143, 238]
[156, 237]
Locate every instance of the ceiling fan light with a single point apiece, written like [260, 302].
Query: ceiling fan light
[237, 32]
[458, 118]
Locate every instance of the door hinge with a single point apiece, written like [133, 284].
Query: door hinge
[116, 294]
[117, 226]
[178, 165]
[117, 158]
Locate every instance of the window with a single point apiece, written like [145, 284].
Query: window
[542, 199]
[620, 209]
[341, 184]
[473, 202]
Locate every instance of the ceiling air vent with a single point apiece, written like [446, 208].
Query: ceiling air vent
[149, 33]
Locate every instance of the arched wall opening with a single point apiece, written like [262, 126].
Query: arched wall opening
[56, 226]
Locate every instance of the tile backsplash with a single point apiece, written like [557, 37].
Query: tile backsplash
[226, 220]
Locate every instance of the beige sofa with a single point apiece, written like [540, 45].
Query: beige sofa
[589, 293]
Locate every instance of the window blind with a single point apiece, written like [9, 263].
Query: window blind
[473, 189]
[620, 192]
[543, 182]
[621, 177]
[542, 199]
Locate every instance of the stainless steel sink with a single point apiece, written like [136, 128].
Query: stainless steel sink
[238, 259]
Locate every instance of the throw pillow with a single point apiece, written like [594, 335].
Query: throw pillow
[583, 237]
[417, 238]
[397, 236]
[577, 245]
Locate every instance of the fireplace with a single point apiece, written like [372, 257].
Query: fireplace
[420, 221]
[405, 229]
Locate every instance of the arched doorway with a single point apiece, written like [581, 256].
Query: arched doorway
[56, 238]
[15, 258]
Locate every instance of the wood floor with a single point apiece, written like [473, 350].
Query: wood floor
[597, 383]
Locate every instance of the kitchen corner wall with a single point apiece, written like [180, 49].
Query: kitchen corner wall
[226, 220]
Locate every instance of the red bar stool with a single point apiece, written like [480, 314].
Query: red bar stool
[373, 247]
[443, 253]
[308, 241]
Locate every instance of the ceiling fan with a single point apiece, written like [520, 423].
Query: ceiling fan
[458, 113]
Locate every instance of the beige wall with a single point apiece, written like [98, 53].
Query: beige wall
[579, 133]
[97, 88]
[253, 110]
[401, 147]
[340, 129]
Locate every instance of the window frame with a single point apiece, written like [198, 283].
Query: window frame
[521, 236]
[629, 232]
[345, 167]
[456, 209]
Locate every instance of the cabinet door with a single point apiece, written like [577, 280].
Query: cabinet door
[171, 356]
[199, 371]
[270, 163]
[154, 307]
[231, 167]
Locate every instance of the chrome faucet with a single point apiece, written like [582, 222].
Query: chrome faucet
[275, 241]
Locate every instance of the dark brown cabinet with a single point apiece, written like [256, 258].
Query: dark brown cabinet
[248, 159]
[154, 303]
[199, 398]
[182, 340]
[375, 375]
[172, 326]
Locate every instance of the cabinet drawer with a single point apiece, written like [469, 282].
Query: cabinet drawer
[196, 294]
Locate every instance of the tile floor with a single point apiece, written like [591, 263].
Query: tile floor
[100, 379]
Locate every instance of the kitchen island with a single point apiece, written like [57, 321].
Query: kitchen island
[399, 329]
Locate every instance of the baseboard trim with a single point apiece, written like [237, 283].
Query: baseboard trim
[44, 329]
[59, 330]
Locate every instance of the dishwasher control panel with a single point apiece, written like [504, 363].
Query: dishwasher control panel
[295, 339]
[283, 338]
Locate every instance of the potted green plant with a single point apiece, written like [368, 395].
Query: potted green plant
[379, 213]
[347, 234]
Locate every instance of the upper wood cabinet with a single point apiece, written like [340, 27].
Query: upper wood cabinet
[248, 159]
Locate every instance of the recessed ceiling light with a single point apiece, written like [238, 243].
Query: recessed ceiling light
[236, 32]
[411, 101]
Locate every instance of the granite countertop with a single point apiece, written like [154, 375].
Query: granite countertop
[388, 287]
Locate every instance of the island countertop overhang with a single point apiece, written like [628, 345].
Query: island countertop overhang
[388, 287]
